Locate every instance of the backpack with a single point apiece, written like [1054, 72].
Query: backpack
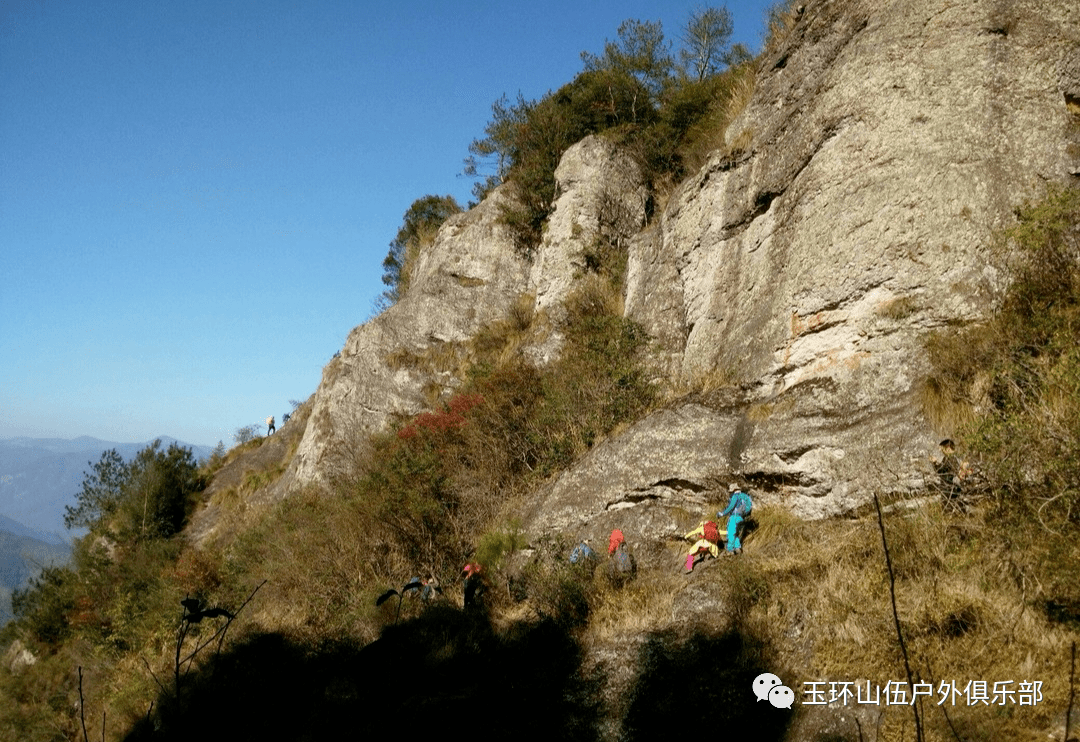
[624, 563]
[745, 505]
[582, 553]
[711, 533]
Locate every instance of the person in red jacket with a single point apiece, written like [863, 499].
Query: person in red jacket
[614, 540]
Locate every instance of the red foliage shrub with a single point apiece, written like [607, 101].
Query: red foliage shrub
[452, 417]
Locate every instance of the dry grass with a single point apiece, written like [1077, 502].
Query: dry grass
[741, 143]
[713, 133]
[500, 343]
[898, 308]
[964, 615]
[715, 387]
[449, 357]
[943, 409]
[818, 591]
[781, 22]
[647, 604]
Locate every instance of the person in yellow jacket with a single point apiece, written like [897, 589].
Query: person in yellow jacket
[705, 537]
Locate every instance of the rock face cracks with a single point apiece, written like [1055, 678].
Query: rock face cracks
[887, 143]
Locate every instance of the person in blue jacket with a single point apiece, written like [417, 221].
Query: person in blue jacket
[739, 507]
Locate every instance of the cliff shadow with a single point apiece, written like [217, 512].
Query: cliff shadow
[445, 671]
[703, 684]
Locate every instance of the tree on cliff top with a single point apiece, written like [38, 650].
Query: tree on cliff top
[418, 228]
[705, 43]
[640, 52]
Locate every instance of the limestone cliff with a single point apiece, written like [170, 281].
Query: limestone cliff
[882, 146]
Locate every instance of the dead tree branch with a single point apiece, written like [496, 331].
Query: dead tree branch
[896, 618]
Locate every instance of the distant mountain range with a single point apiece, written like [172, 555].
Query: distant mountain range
[38, 478]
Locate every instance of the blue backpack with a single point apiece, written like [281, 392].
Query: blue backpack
[743, 503]
[582, 553]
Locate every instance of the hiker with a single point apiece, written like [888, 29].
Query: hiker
[473, 585]
[614, 540]
[739, 507]
[583, 555]
[951, 473]
[621, 567]
[430, 589]
[270, 425]
[706, 538]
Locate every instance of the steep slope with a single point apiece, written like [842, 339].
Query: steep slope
[851, 214]
[471, 276]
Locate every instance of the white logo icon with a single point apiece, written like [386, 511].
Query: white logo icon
[782, 697]
[764, 683]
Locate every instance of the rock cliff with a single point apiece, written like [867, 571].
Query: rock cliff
[803, 265]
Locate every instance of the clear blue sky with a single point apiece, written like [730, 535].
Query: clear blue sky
[196, 197]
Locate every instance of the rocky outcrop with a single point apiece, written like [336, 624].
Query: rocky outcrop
[472, 276]
[601, 196]
[17, 657]
[468, 278]
[801, 270]
[887, 145]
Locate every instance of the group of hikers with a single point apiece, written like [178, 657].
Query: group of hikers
[621, 565]
[705, 540]
[953, 479]
[706, 536]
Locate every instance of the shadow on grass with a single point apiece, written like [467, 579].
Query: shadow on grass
[703, 683]
[450, 672]
[444, 671]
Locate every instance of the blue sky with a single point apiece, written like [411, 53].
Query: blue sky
[196, 197]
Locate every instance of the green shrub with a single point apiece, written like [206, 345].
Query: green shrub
[497, 545]
[556, 589]
[1012, 389]
[669, 117]
[44, 608]
[246, 434]
[418, 229]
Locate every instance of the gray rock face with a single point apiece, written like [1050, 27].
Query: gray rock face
[886, 144]
[601, 194]
[468, 278]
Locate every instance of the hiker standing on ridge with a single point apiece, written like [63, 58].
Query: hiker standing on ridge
[706, 537]
[270, 425]
[739, 506]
